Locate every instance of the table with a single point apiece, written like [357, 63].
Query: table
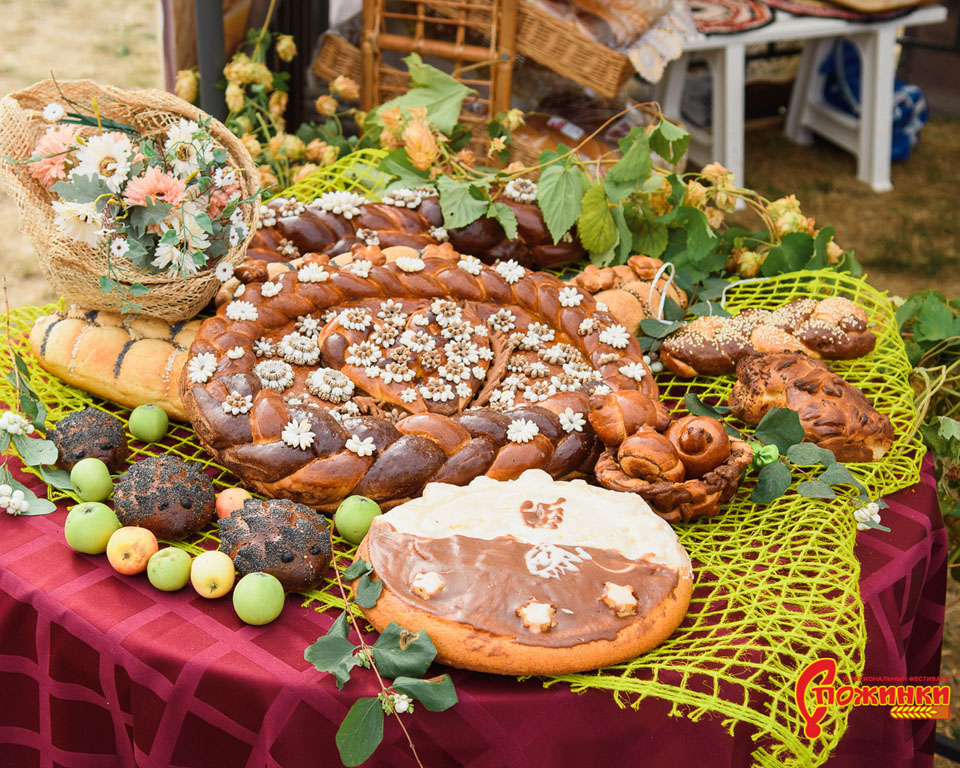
[97, 669]
[869, 138]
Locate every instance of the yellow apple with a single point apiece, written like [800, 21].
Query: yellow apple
[212, 573]
[130, 549]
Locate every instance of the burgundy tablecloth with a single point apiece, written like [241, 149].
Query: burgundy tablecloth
[98, 669]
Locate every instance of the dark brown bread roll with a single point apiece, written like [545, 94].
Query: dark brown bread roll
[166, 495]
[90, 433]
[280, 537]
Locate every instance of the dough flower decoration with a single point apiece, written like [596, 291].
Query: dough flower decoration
[201, 367]
[361, 447]
[522, 431]
[297, 434]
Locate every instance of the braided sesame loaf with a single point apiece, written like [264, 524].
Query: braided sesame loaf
[378, 377]
[833, 328]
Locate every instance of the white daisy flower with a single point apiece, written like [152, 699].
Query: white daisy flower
[470, 264]
[53, 112]
[106, 156]
[510, 271]
[119, 247]
[224, 271]
[297, 434]
[183, 151]
[236, 218]
[633, 371]
[271, 289]
[201, 367]
[522, 431]
[234, 237]
[78, 221]
[237, 404]
[312, 273]
[242, 311]
[616, 336]
[410, 263]
[572, 421]
[235, 353]
[570, 297]
[360, 447]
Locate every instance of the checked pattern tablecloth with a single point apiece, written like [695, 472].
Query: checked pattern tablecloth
[98, 669]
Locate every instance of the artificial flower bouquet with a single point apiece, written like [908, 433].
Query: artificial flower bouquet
[133, 198]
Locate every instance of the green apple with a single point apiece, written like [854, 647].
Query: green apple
[91, 479]
[148, 423]
[89, 527]
[354, 516]
[258, 598]
[169, 569]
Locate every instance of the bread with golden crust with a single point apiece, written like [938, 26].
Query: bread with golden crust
[614, 578]
[834, 413]
[129, 359]
[400, 373]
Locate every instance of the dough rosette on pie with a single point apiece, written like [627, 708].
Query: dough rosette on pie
[529, 576]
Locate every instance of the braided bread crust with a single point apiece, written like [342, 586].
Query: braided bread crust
[296, 438]
[685, 500]
[833, 328]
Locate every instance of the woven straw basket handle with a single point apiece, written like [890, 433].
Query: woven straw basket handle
[74, 268]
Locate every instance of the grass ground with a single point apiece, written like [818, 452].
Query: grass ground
[908, 238]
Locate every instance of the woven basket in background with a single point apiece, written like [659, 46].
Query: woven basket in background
[73, 268]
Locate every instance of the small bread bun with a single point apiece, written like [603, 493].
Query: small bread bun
[618, 415]
[701, 442]
[650, 456]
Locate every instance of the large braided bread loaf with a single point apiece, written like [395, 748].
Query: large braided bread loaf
[377, 378]
[337, 221]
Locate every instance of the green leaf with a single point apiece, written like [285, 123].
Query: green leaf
[106, 284]
[604, 259]
[772, 482]
[635, 163]
[780, 427]
[949, 428]
[657, 328]
[35, 452]
[138, 289]
[650, 238]
[333, 653]
[58, 478]
[707, 308]
[356, 570]
[440, 93]
[35, 506]
[625, 243]
[816, 489]
[398, 164]
[81, 189]
[697, 407]
[368, 591]
[791, 255]
[669, 141]
[4, 441]
[559, 192]
[459, 206]
[807, 454]
[401, 653]
[935, 321]
[595, 225]
[701, 239]
[143, 216]
[435, 693]
[507, 218]
[361, 731]
[820, 260]
[203, 221]
[838, 474]
[908, 310]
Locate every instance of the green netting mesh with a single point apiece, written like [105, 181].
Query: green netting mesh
[776, 586]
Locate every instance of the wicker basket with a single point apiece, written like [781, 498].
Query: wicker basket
[552, 42]
[73, 268]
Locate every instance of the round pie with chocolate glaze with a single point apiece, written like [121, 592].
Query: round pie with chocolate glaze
[376, 378]
[530, 576]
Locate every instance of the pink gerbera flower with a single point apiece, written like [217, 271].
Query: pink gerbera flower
[53, 147]
[154, 184]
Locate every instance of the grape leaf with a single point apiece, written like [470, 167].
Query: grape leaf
[780, 427]
[399, 652]
[559, 192]
[435, 693]
[595, 225]
[361, 731]
[772, 482]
